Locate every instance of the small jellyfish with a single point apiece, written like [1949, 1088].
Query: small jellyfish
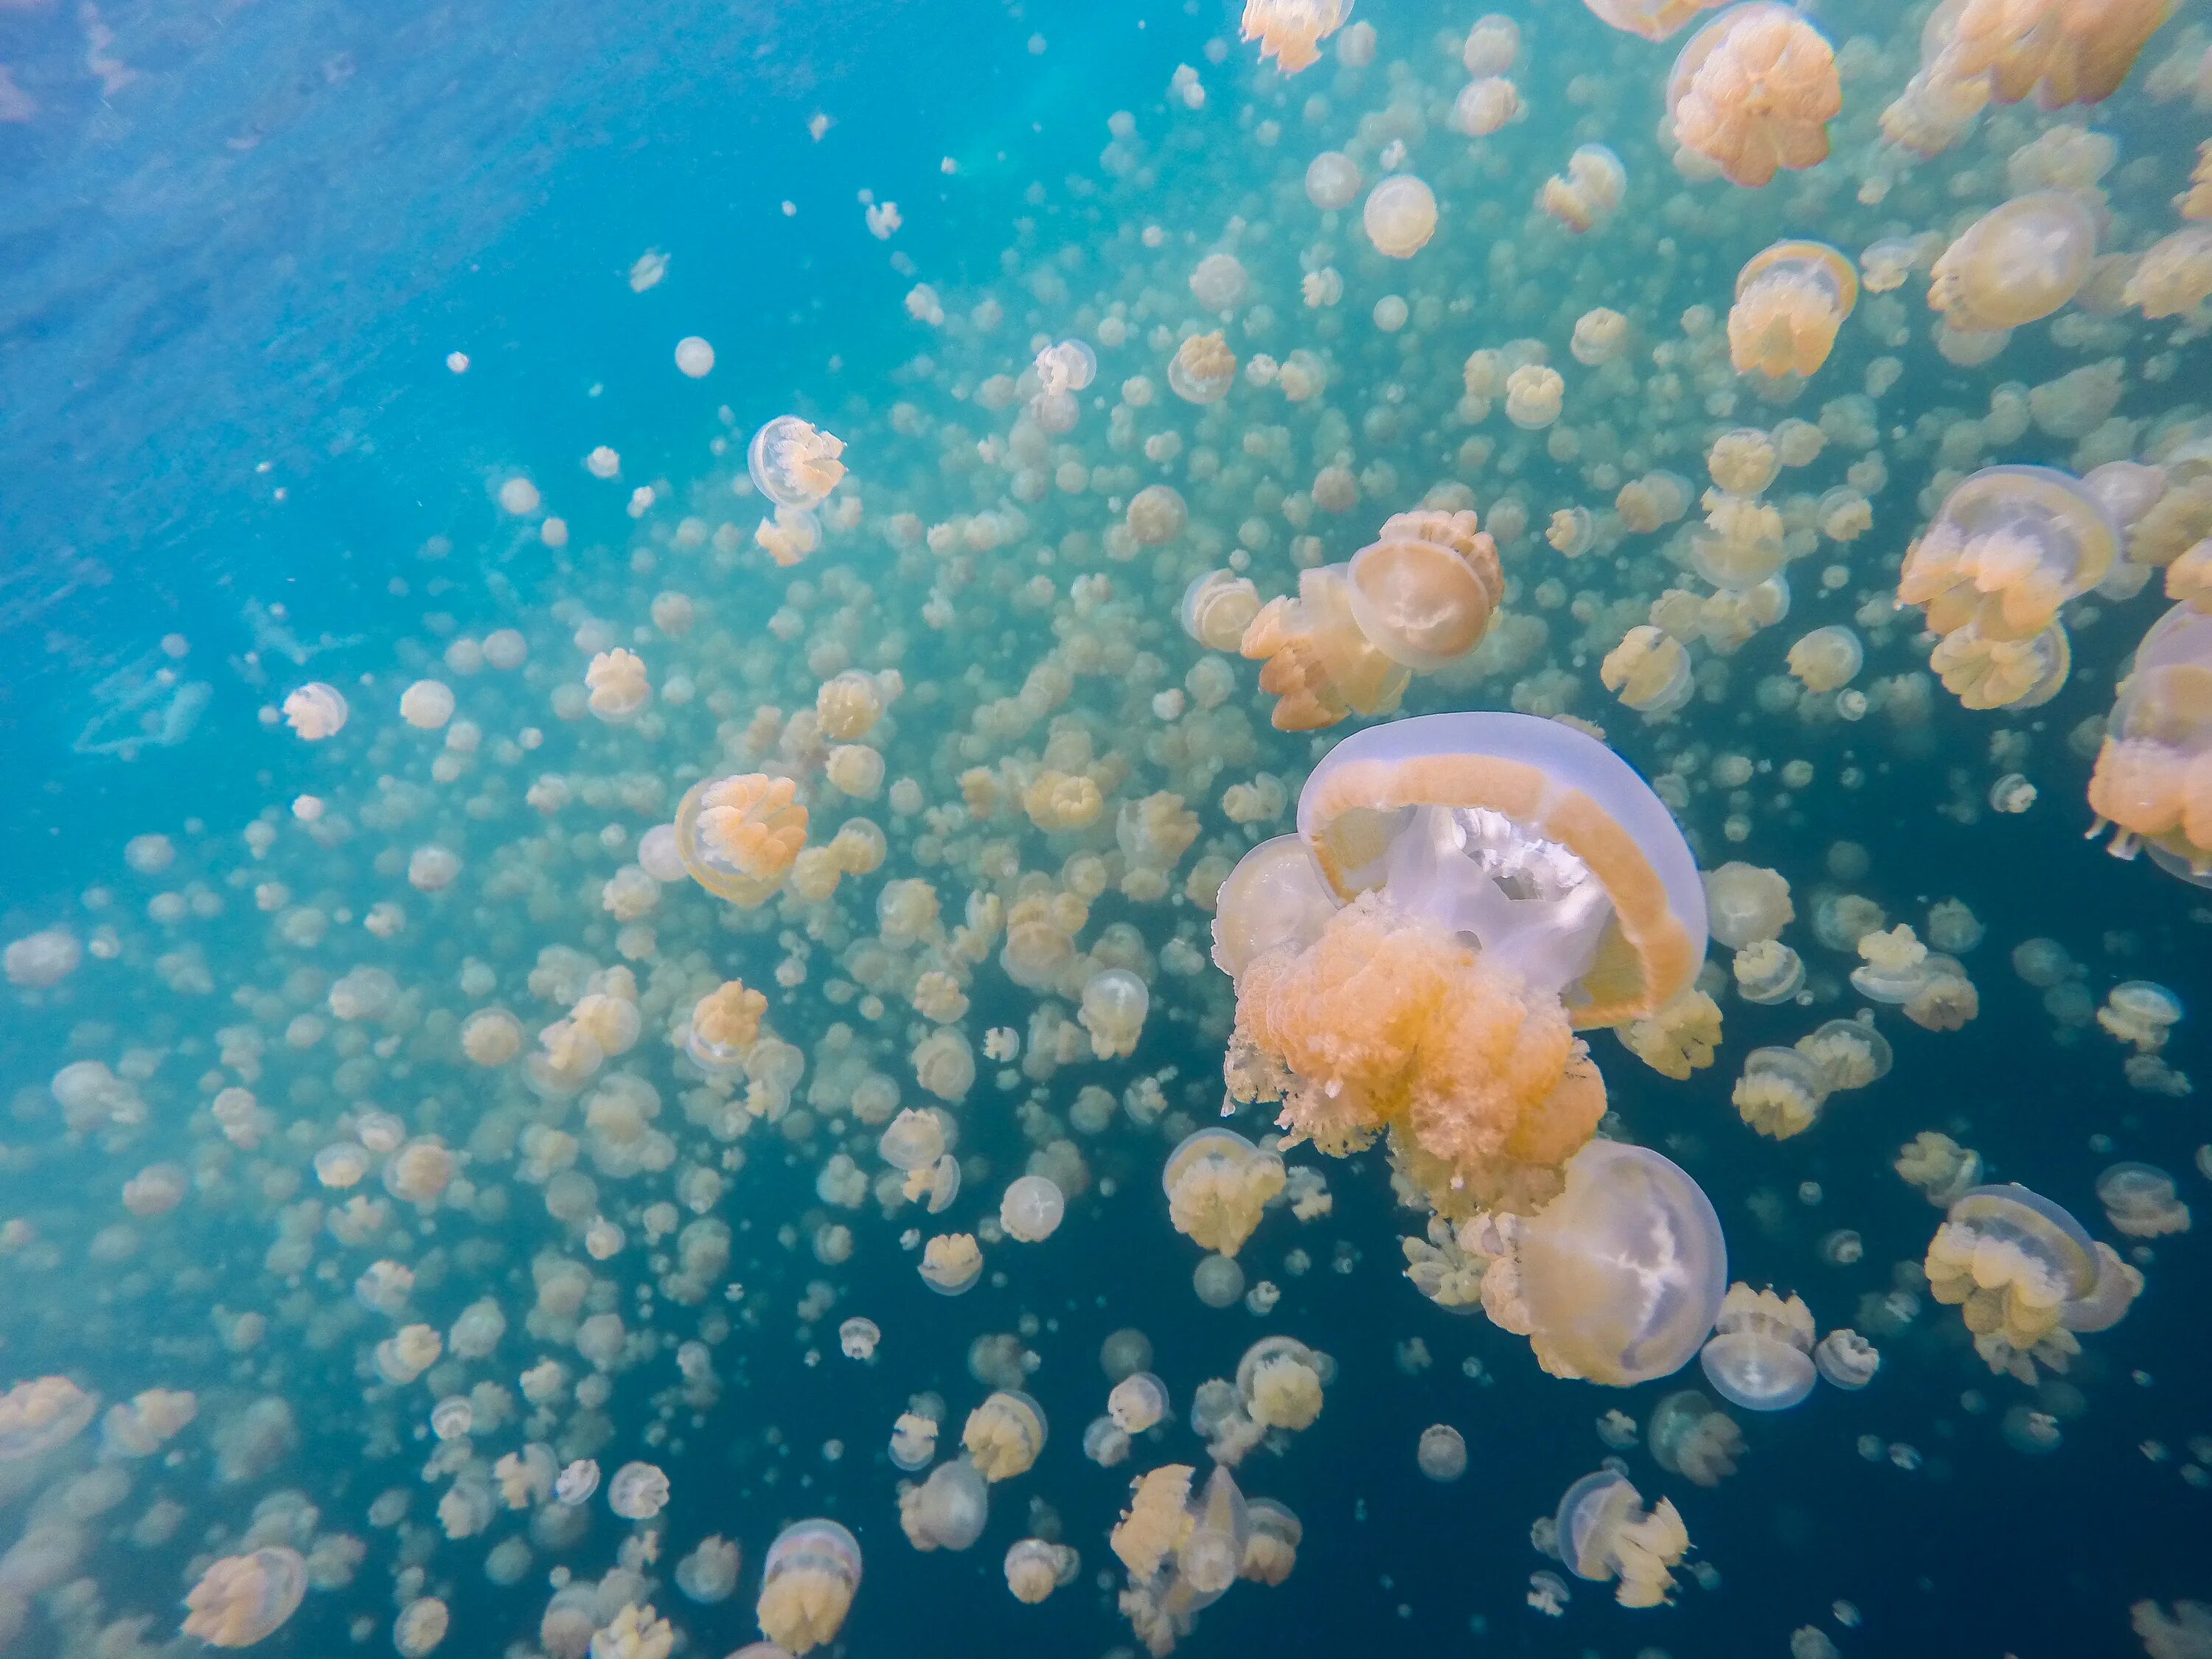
[1619, 1278]
[242, 1599]
[794, 463]
[1218, 607]
[1689, 1435]
[1291, 31]
[1781, 1092]
[709, 1573]
[948, 1511]
[1218, 1185]
[1790, 299]
[316, 711]
[1031, 1208]
[857, 1338]
[695, 357]
[1827, 659]
[913, 1440]
[1754, 90]
[1278, 1382]
[1849, 1053]
[1203, 369]
[808, 1579]
[1534, 393]
[1399, 215]
[577, 1482]
[2017, 263]
[1767, 971]
[1604, 1532]
[1442, 1454]
[738, 836]
[1035, 1568]
[1112, 1010]
[638, 1491]
[1760, 1354]
[1845, 1358]
[1332, 180]
[951, 1263]
[1745, 904]
[2139, 1200]
[618, 686]
[1484, 106]
[1069, 367]
[2174, 275]
[2149, 785]
[1424, 592]
[1588, 191]
[1272, 1551]
[1137, 1402]
[2140, 1013]
[1650, 672]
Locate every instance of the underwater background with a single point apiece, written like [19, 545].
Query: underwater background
[241, 240]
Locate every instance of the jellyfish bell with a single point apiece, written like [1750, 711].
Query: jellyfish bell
[738, 836]
[241, 1599]
[1424, 592]
[808, 1580]
[1760, 1356]
[2019, 261]
[1291, 31]
[1753, 90]
[794, 463]
[1218, 1185]
[1202, 369]
[1791, 299]
[2147, 784]
[2008, 546]
[1275, 897]
[1603, 1532]
[1399, 215]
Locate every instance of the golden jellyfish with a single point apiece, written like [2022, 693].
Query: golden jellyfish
[1743, 461]
[2026, 1277]
[1849, 1053]
[618, 686]
[1218, 1185]
[1740, 547]
[1202, 369]
[1827, 659]
[638, 1491]
[1600, 335]
[2008, 546]
[1112, 1010]
[1754, 90]
[951, 1263]
[2058, 51]
[1491, 45]
[1399, 215]
[1156, 1522]
[1484, 106]
[1767, 971]
[1604, 1532]
[37, 1416]
[1534, 395]
[738, 836]
[1691, 1437]
[1678, 1039]
[316, 711]
[1217, 608]
[1760, 1355]
[2003, 673]
[2140, 1201]
[1588, 191]
[1278, 1380]
[1432, 1003]
[1790, 299]
[848, 705]
[1291, 31]
[1572, 532]
[1035, 1568]
[427, 705]
[1650, 672]
[2141, 1013]
[1274, 897]
[1137, 1402]
[2019, 261]
[2151, 784]
[1031, 1209]
[1003, 1435]
[1780, 1093]
[1744, 903]
[1619, 1278]
[1272, 1551]
[1333, 180]
[1654, 19]
[808, 1579]
[242, 1599]
[1156, 516]
[794, 463]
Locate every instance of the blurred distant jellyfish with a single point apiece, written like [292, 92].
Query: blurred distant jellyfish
[1291, 31]
[241, 1599]
[2017, 263]
[808, 1579]
[947, 1510]
[638, 1491]
[1690, 1436]
[1035, 1568]
[794, 463]
[1604, 1532]
[1754, 90]
[1400, 216]
[695, 357]
[913, 1441]
[1790, 299]
[1442, 1454]
[2140, 1201]
[1655, 20]
[1585, 195]
[37, 1416]
[1137, 1402]
[1845, 1358]
[316, 711]
[1484, 106]
[577, 1482]
[1202, 369]
[709, 1573]
[1760, 1354]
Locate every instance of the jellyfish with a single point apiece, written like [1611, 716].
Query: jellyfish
[1603, 1532]
[1767, 971]
[1113, 1009]
[1217, 608]
[1272, 1551]
[1203, 369]
[638, 1491]
[1278, 1382]
[1781, 1092]
[242, 1599]
[1291, 31]
[37, 1416]
[1156, 1522]
[1754, 90]
[1532, 396]
[2150, 783]
[2025, 1276]
[2174, 275]
[794, 464]
[1399, 215]
[2009, 546]
[951, 1263]
[1484, 106]
[2139, 1200]
[1619, 1278]
[1845, 1358]
[1849, 1053]
[1650, 672]
[2018, 262]
[1827, 659]
[1442, 1453]
[1036, 1568]
[1760, 1356]
[1790, 299]
[1745, 904]
[1031, 1208]
[1740, 546]
[1137, 1402]
[576, 1483]
[738, 836]
[1654, 19]
[1690, 1436]
[2062, 51]
[1587, 192]
[2140, 1013]
[1424, 826]
[808, 1579]
[913, 1440]
[316, 711]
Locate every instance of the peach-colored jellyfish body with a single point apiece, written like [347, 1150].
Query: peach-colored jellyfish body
[1588, 191]
[2153, 779]
[1203, 368]
[1003, 1435]
[2020, 261]
[1217, 1184]
[1504, 879]
[808, 1580]
[2173, 276]
[40, 1415]
[1760, 1356]
[1619, 1278]
[1754, 90]
[316, 711]
[2058, 51]
[2026, 1277]
[1648, 670]
[1291, 31]
[1827, 659]
[242, 1599]
[1484, 106]
[1274, 897]
[1422, 595]
[1654, 19]
[1790, 299]
[794, 463]
[1217, 608]
[740, 835]
[619, 687]
[1604, 1532]
[1399, 215]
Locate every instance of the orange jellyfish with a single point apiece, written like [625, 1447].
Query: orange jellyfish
[1790, 299]
[740, 835]
[2062, 51]
[808, 1580]
[2026, 1277]
[2153, 780]
[794, 463]
[1291, 31]
[1655, 20]
[2020, 261]
[1604, 1532]
[1754, 90]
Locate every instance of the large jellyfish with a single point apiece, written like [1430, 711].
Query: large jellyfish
[1619, 1278]
[1291, 31]
[1754, 90]
[1790, 299]
[807, 1581]
[2019, 261]
[2026, 1277]
[1504, 880]
[2153, 780]
[1604, 1532]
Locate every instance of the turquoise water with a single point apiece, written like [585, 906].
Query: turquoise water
[242, 459]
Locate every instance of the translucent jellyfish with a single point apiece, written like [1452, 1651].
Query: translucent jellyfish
[2018, 262]
[1845, 1358]
[316, 711]
[1399, 215]
[1655, 20]
[1604, 1532]
[1849, 1053]
[724, 1025]
[1068, 366]
[37, 1416]
[1031, 1208]
[1217, 608]
[913, 1440]
[1218, 1185]
[1484, 106]
[1278, 1380]
[242, 1599]
[427, 705]
[1753, 90]
[695, 357]
[1035, 1568]
[1291, 31]
[948, 1511]
[1650, 672]
[1113, 1009]
[1274, 896]
[794, 464]
[1600, 335]
[141, 1425]
[2025, 1276]
[576, 1483]
[740, 835]
[2173, 276]
[1739, 545]
[1678, 1039]
[1442, 1453]
[2061, 51]
[1827, 659]
[619, 688]
[808, 1579]
[1588, 191]
[2009, 546]
[1003, 1435]
[1619, 1278]
[1534, 393]
[1745, 904]
[1767, 971]
[951, 1263]
[45, 957]
[1511, 878]
[1203, 369]
[709, 1573]
[1790, 299]
[2139, 1200]
[638, 1491]
[1492, 44]
[1137, 1402]
[1780, 1093]
[2151, 784]
[1760, 1356]
[2140, 1013]
[1690, 1436]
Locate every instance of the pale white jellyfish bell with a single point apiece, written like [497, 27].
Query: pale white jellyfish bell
[1759, 1367]
[1070, 366]
[575, 1483]
[1274, 897]
[794, 463]
[1532, 905]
